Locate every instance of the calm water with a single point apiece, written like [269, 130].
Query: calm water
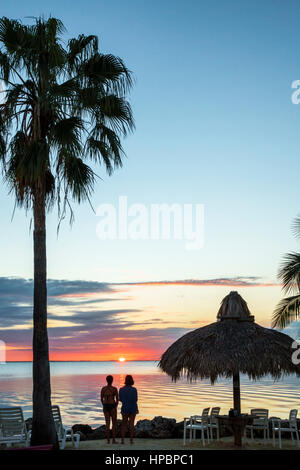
[76, 386]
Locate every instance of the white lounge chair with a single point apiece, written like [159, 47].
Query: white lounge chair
[197, 423]
[259, 423]
[13, 427]
[213, 423]
[292, 427]
[62, 431]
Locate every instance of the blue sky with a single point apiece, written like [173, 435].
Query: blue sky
[215, 125]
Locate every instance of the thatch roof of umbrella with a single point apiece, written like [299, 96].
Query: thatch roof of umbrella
[232, 345]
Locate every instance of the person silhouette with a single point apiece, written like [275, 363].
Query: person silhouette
[110, 399]
[129, 397]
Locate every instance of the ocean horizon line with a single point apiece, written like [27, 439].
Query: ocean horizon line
[110, 360]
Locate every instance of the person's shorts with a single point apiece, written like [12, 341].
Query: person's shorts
[109, 406]
[129, 412]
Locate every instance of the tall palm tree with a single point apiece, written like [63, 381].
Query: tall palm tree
[288, 309]
[61, 106]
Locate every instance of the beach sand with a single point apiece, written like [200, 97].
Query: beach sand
[225, 443]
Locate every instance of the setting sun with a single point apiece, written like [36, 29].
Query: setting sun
[122, 359]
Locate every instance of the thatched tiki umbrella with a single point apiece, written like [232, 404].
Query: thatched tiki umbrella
[234, 344]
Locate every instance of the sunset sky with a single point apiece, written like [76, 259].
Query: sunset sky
[215, 125]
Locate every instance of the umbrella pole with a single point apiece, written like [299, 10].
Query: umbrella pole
[236, 392]
[238, 426]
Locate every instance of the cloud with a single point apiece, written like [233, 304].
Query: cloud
[77, 323]
[83, 318]
[17, 294]
[239, 281]
[23, 288]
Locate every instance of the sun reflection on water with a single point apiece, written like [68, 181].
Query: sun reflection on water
[76, 390]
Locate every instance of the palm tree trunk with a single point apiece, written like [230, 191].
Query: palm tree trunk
[43, 428]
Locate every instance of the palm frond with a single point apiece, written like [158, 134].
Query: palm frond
[54, 29]
[79, 178]
[3, 151]
[287, 310]
[67, 134]
[27, 168]
[5, 67]
[11, 35]
[106, 69]
[80, 48]
[289, 272]
[99, 151]
[296, 226]
[64, 90]
[119, 75]
[87, 98]
[105, 144]
[118, 112]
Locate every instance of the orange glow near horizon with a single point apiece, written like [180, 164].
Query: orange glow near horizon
[135, 354]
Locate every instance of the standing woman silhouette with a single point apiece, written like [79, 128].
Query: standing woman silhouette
[128, 397]
[110, 399]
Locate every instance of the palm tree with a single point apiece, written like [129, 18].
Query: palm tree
[62, 105]
[288, 309]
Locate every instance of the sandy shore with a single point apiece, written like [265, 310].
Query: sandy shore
[225, 443]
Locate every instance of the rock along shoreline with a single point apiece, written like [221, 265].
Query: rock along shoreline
[156, 428]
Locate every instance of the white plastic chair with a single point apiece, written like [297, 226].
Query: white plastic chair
[292, 428]
[62, 431]
[13, 427]
[213, 421]
[259, 423]
[197, 423]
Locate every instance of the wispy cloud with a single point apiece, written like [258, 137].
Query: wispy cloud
[239, 281]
